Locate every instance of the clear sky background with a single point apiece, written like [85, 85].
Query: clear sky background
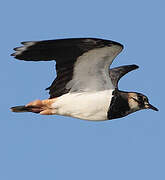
[35, 147]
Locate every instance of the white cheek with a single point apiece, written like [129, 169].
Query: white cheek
[133, 104]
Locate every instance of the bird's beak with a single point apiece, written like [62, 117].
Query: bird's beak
[149, 106]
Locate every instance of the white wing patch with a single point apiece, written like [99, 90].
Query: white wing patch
[91, 70]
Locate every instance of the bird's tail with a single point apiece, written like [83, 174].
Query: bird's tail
[26, 109]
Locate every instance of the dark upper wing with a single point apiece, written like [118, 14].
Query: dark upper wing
[81, 63]
[118, 72]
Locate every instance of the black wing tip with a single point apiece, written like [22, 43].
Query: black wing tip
[30, 51]
[16, 56]
[117, 73]
[130, 67]
[134, 66]
[24, 42]
[19, 51]
[13, 54]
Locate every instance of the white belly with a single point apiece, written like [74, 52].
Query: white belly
[88, 106]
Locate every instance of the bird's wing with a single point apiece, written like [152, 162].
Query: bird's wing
[82, 64]
[118, 72]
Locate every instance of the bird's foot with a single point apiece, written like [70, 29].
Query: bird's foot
[43, 107]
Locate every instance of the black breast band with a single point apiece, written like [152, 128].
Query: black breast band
[119, 106]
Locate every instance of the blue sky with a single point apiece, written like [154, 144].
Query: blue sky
[54, 147]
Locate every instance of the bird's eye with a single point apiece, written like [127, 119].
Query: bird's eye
[140, 99]
[145, 99]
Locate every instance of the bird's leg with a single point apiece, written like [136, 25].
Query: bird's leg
[37, 103]
[43, 107]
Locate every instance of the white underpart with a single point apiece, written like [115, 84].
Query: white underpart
[88, 105]
[91, 70]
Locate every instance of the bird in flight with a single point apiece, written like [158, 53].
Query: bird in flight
[85, 87]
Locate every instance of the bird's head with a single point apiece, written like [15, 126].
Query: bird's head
[138, 101]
